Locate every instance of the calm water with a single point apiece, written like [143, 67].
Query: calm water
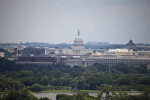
[53, 95]
[49, 95]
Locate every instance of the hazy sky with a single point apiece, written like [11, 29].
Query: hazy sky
[57, 21]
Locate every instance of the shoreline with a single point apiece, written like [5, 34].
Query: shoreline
[74, 91]
[89, 91]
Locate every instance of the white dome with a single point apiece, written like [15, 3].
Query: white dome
[78, 42]
[78, 39]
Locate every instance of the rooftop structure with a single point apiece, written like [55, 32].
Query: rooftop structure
[78, 42]
[131, 45]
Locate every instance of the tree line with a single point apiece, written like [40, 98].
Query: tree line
[121, 77]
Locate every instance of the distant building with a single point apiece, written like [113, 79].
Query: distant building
[77, 49]
[131, 45]
[109, 61]
[144, 53]
[78, 42]
[15, 52]
[2, 54]
[78, 55]
[37, 60]
[98, 43]
[121, 52]
[10, 47]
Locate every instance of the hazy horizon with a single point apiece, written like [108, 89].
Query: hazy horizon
[57, 21]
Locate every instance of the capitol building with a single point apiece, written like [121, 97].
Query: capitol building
[78, 55]
[76, 50]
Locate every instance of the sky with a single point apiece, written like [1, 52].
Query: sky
[58, 21]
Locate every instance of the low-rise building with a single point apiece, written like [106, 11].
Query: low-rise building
[2, 54]
[37, 60]
[109, 61]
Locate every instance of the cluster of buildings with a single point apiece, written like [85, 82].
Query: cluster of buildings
[78, 55]
[12, 50]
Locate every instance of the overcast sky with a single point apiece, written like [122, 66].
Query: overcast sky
[57, 21]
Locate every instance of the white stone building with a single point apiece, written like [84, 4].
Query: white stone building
[77, 49]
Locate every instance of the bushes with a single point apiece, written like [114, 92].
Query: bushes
[37, 88]
[78, 96]
[44, 80]
[19, 95]
[63, 97]
[9, 83]
[45, 98]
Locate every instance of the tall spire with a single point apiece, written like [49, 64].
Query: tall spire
[78, 33]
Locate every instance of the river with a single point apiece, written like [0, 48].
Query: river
[53, 95]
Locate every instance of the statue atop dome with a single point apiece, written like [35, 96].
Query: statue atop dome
[78, 33]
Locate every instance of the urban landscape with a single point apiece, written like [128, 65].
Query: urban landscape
[78, 55]
[106, 57]
[74, 50]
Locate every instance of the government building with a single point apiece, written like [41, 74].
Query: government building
[77, 49]
[78, 55]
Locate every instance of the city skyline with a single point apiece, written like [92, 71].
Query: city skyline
[57, 21]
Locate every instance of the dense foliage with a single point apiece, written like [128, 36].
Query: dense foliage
[59, 76]
[20, 95]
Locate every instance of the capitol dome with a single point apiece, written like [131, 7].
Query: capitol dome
[78, 42]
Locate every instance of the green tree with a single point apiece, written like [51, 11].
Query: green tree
[28, 81]
[44, 98]
[44, 80]
[9, 83]
[26, 73]
[36, 88]
[19, 95]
